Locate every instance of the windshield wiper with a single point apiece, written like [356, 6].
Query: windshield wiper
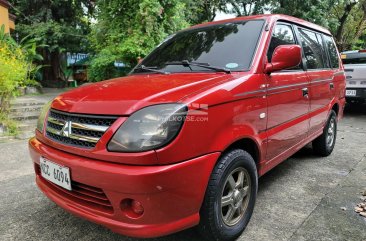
[187, 63]
[152, 69]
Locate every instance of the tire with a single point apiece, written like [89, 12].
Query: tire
[213, 225]
[324, 144]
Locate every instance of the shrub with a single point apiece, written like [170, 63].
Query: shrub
[102, 67]
[13, 69]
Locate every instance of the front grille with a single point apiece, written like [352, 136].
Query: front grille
[82, 194]
[77, 130]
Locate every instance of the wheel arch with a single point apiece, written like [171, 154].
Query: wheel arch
[335, 107]
[247, 144]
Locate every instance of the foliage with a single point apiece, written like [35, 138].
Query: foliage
[29, 47]
[346, 19]
[129, 29]
[57, 27]
[58, 24]
[246, 7]
[203, 10]
[350, 24]
[102, 66]
[123, 30]
[17, 69]
[13, 69]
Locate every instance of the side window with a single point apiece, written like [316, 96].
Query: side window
[313, 51]
[282, 35]
[332, 51]
[324, 53]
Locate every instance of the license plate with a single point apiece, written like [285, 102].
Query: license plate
[351, 92]
[55, 173]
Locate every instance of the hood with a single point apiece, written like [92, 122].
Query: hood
[123, 96]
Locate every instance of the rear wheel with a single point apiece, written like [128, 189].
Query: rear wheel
[324, 144]
[230, 197]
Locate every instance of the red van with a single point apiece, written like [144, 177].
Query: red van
[182, 140]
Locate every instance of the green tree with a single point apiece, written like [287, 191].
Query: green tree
[349, 29]
[128, 29]
[198, 11]
[346, 19]
[61, 25]
[246, 7]
[312, 10]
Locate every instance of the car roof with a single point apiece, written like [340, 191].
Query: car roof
[270, 17]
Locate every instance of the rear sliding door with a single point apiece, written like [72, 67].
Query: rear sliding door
[321, 89]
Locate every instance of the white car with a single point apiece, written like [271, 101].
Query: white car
[355, 67]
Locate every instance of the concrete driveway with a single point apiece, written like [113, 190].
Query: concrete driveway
[302, 199]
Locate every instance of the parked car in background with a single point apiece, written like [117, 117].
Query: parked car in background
[182, 140]
[355, 67]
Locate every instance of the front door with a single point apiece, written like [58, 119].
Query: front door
[288, 101]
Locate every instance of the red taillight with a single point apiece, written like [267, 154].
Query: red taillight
[362, 51]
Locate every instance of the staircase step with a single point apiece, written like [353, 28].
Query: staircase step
[29, 125]
[21, 116]
[24, 102]
[27, 108]
[25, 135]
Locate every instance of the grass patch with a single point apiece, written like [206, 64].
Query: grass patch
[9, 126]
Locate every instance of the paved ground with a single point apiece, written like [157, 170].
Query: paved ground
[301, 199]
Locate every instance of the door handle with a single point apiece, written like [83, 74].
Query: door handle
[305, 92]
[331, 86]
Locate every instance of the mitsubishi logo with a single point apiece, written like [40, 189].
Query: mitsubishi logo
[66, 129]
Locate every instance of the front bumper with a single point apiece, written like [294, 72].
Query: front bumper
[171, 194]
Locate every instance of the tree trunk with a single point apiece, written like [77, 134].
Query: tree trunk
[209, 13]
[236, 8]
[52, 71]
[342, 22]
[362, 24]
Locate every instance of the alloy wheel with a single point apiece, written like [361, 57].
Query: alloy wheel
[235, 196]
[331, 132]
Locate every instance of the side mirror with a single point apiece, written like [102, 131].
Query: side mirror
[284, 57]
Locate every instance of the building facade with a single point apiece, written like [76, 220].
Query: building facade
[6, 19]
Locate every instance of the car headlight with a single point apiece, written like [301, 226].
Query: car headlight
[149, 128]
[42, 116]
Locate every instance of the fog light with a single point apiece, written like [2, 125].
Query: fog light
[132, 208]
[137, 207]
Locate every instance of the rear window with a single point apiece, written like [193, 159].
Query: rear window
[361, 60]
[230, 45]
[313, 50]
[332, 50]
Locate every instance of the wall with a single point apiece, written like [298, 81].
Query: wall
[4, 15]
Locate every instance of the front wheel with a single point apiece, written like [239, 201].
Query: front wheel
[230, 197]
[324, 144]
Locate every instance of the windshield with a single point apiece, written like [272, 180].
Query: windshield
[229, 46]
